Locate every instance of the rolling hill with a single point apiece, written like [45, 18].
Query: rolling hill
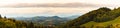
[113, 24]
[100, 18]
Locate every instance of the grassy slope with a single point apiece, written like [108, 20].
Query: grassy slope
[113, 22]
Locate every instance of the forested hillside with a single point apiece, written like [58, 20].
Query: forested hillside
[102, 16]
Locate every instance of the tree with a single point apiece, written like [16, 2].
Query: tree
[0, 16]
[30, 25]
[5, 17]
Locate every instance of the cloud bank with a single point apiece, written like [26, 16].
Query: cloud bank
[43, 11]
[15, 5]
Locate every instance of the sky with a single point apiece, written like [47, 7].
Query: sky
[63, 8]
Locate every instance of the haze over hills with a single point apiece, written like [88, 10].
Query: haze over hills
[42, 17]
[56, 20]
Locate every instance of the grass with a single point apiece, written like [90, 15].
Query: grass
[104, 24]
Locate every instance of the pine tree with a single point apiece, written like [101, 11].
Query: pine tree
[31, 25]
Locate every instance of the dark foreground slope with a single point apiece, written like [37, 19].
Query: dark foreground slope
[11, 23]
[86, 18]
[100, 15]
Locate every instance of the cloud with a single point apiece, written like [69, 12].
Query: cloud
[38, 10]
[53, 5]
[43, 11]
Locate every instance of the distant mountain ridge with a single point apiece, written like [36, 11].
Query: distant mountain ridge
[44, 17]
[45, 20]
